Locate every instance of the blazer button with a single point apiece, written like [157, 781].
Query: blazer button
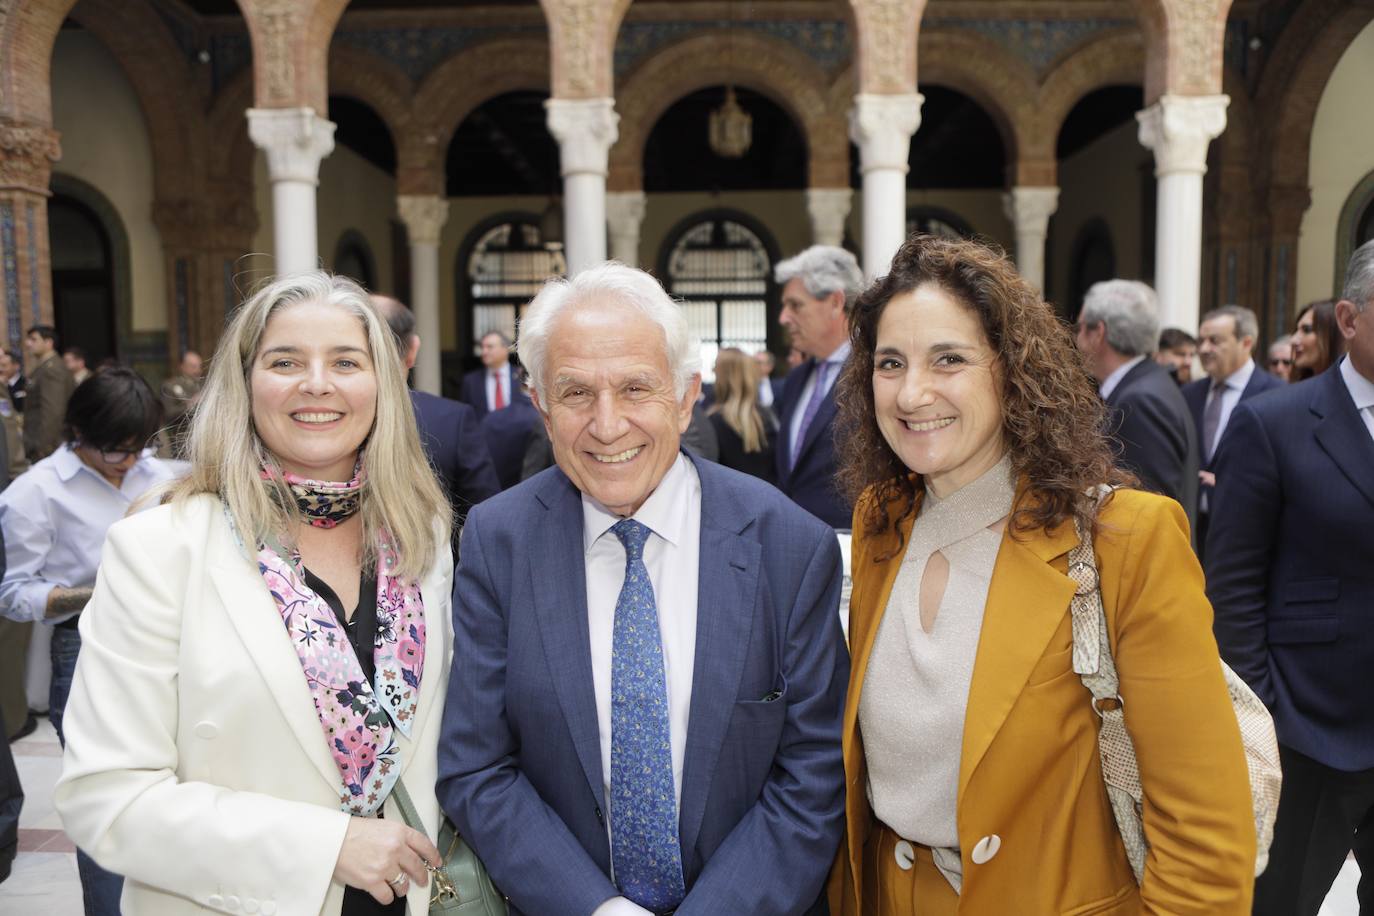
[985, 849]
[250, 905]
[231, 903]
[905, 854]
[214, 901]
[206, 730]
[269, 908]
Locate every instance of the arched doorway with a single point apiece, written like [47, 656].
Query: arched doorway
[85, 290]
[719, 264]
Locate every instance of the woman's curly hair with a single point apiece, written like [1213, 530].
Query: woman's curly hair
[1052, 418]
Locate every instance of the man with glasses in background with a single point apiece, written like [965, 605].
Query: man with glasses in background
[54, 519]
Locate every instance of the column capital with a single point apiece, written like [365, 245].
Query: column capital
[295, 140]
[625, 209]
[27, 152]
[424, 216]
[882, 125]
[1179, 128]
[1030, 208]
[585, 130]
[828, 209]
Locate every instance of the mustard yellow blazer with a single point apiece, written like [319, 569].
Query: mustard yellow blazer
[1030, 773]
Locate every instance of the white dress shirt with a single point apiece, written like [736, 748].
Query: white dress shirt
[1110, 382]
[673, 513]
[1361, 392]
[1230, 397]
[503, 376]
[54, 518]
[835, 361]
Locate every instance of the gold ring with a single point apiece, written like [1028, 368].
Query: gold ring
[398, 880]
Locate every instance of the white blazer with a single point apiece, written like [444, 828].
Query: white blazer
[195, 764]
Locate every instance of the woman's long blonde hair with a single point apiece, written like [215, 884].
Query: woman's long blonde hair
[399, 495]
[737, 397]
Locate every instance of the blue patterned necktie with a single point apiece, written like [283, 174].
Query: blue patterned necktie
[644, 838]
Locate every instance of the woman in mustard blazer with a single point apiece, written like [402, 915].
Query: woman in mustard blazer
[974, 783]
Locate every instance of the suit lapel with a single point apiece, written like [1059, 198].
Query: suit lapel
[558, 580]
[250, 608]
[791, 393]
[1341, 432]
[1027, 601]
[727, 595]
[819, 424]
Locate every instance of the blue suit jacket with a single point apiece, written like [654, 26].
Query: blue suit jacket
[1195, 395]
[474, 389]
[811, 483]
[508, 433]
[763, 783]
[453, 442]
[1154, 433]
[1290, 565]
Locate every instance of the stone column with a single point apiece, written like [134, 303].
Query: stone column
[829, 208]
[624, 216]
[295, 140]
[881, 126]
[1178, 129]
[27, 152]
[1029, 210]
[585, 130]
[424, 216]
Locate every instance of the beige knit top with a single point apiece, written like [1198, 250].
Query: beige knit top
[915, 692]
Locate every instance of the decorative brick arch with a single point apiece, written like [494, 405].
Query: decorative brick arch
[232, 155]
[1114, 60]
[765, 65]
[382, 87]
[161, 79]
[1002, 85]
[1184, 42]
[1295, 78]
[290, 40]
[455, 88]
[27, 33]
[582, 37]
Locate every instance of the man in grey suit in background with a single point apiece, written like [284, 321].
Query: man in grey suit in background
[1117, 331]
[648, 683]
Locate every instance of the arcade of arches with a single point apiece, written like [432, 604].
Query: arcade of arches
[159, 157]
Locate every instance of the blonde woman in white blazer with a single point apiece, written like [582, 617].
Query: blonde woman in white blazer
[266, 653]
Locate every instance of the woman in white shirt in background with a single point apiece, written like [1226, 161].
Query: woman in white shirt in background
[55, 517]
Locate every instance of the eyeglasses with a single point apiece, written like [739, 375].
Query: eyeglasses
[112, 456]
[1280, 362]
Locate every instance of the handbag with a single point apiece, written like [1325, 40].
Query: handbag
[1093, 662]
[458, 883]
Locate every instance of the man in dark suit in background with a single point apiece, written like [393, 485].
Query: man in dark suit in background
[449, 431]
[49, 387]
[1226, 339]
[1290, 573]
[1117, 331]
[497, 384]
[508, 433]
[818, 287]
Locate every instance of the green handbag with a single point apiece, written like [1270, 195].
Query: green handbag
[458, 885]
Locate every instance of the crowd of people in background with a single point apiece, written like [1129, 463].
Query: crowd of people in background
[944, 412]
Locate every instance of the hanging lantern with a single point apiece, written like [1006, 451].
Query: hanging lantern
[732, 128]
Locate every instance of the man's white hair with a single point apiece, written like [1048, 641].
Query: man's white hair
[1130, 311]
[609, 283]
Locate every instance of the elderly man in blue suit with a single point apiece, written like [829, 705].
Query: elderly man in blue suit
[1290, 572]
[649, 678]
[818, 286]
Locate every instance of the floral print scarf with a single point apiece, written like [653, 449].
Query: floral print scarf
[358, 719]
